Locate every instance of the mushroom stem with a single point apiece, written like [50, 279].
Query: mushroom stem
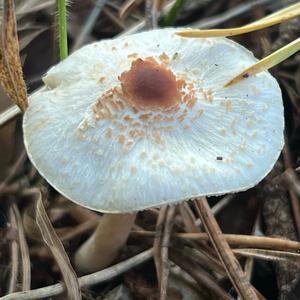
[105, 243]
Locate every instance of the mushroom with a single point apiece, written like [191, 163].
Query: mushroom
[144, 120]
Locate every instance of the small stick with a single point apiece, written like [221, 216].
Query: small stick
[184, 276]
[153, 8]
[229, 14]
[25, 259]
[188, 218]
[14, 254]
[107, 11]
[199, 276]
[9, 114]
[270, 255]
[273, 19]
[151, 20]
[58, 252]
[165, 252]
[14, 169]
[293, 197]
[239, 240]
[205, 260]
[157, 241]
[78, 230]
[82, 214]
[127, 6]
[288, 179]
[219, 206]
[88, 26]
[15, 187]
[233, 269]
[84, 281]
[249, 263]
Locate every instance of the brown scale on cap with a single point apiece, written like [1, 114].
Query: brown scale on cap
[149, 84]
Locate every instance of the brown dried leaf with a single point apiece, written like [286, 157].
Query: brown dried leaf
[53, 242]
[11, 75]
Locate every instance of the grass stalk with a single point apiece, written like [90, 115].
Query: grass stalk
[62, 29]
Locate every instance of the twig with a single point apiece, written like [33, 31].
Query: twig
[250, 262]
[219, 206]
[152, 11]
[293, 197]
[81, 214]
[239, 240]
[89, 24]
[107, 11]
[157, 241]
[226, 255]
[127, 6]
[14, 254]
[9, 114]
[55, 246]
[288, 179]
[15, 187]
[200, 277]
[204, 253]
[270, 255]
[14, 169]
[288, 31]
[25, 259]
[204, 260]
[84, 281]
[188, 279]
[278, 220]
[165, 252]
[151, 19]
[228, 14]
[78, 230]
[188, 218]
[29, 7]
[139, 26]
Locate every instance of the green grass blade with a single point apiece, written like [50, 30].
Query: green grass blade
[170, 17]
[62, 29]
[268, 62]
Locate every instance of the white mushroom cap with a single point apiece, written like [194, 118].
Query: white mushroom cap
[144, 120]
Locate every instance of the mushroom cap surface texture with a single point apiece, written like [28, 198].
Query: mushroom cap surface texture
[144, 120]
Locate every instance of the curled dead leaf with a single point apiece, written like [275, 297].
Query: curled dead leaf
[11, 75]
[55, 246]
